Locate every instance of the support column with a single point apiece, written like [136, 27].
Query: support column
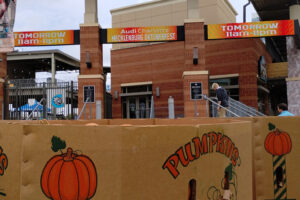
[194, 44]
[3, 74]
[53, 68]
[91, 65]
[194, 70]
[293, 80]
[195, 106]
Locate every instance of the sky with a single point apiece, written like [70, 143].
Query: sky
[33, 15]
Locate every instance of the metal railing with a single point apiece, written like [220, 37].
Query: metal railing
[215, 105]
[38, 104]
[242, 109]
[83, 110]
[235, 108]
[27, 99]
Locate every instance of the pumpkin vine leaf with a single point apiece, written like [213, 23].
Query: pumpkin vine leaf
[57, 144]
[271, 127]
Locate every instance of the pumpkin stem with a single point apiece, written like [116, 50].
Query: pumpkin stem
[68, 156]
[277, 131]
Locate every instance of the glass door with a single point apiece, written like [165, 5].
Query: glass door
[136, 107]
[132, 104]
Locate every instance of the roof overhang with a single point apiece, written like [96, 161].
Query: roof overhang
[64, 61]
[275, 10]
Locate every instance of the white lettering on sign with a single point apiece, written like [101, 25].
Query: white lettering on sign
[250, 27]
[40, 35]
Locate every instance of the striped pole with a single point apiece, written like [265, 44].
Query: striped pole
[280, 191]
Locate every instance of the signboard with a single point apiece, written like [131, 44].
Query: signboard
[89, 92]
[57, 101]
[142, 34]
[251, 30]
[7, 19]
[196, 91]
[46, 38]
[56, 98]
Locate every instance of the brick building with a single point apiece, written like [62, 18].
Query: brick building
[140, 71]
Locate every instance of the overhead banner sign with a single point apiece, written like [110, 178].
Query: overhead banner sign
[46, 38]
[7, 19]
[251, 30]
[143, 34]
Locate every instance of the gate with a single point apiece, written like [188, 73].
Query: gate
[28, 100]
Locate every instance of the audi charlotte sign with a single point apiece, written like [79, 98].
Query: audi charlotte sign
[251, 30]
[143, 34]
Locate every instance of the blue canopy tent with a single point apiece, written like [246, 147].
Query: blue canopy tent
[35, 107]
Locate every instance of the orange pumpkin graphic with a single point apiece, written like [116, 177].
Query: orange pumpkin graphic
[3, 162]
[278, 143]
[69, 176]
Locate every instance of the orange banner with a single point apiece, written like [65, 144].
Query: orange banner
[44, 38]
[250, 30]
[142, 34]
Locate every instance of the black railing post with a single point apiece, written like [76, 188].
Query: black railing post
[72, 96]
[44, 102]
[17, 102]
[5, 100]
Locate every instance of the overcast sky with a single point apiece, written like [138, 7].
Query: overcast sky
[34, 15]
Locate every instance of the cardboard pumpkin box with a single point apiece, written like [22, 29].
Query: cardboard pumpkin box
[138, 162]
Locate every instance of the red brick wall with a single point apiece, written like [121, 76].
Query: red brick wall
[163, 64]
[90, 42]
[189, 105]
[194, 37]
[98, 83]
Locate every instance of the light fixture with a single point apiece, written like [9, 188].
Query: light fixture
[157, 92]
[88, 59]
[195, 56]
[116, 95]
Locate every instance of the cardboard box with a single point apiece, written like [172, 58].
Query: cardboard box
[151, 159]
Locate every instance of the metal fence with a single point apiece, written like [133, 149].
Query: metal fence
[28, 100]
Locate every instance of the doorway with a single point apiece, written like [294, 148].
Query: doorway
[136, 107]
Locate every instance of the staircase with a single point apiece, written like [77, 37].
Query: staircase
[235, 109]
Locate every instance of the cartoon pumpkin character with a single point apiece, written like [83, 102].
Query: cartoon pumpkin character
[278, 143]
[69, 175]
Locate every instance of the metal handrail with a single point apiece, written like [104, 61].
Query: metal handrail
[37, 105]
[241, 109]
[238, 108]
[208, 99]
[83, 108]
[251, 110]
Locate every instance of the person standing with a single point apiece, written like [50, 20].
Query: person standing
[283, 110]
[222, 99]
